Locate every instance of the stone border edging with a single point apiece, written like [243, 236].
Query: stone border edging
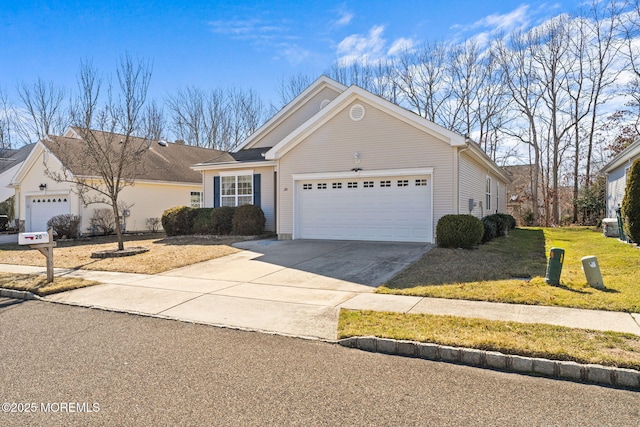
[11, 293]
[572, 371]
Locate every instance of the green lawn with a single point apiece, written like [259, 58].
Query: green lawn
[533, 340]
[511, 269]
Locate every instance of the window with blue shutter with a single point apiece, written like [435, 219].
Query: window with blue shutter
[236, 190]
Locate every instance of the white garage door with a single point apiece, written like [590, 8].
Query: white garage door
[41, 209]
[382, 208]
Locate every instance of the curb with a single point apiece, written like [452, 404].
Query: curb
[10, 293]
[571, 371]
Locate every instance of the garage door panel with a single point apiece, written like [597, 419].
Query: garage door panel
[387, 208]
[42, 209]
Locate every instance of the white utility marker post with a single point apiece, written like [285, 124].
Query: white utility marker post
[42, 241]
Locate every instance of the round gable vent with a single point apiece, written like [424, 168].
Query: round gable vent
[324, 103]
[356, 112]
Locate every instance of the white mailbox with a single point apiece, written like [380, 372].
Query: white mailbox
[33, 238]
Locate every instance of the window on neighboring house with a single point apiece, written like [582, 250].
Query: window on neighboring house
[236, 190]
[196, 199]
[488, 201]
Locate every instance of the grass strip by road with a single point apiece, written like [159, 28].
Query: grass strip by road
[164, 253]
[523, 339]
[38, 285]
[511, 269]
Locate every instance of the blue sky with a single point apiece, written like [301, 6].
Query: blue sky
[252, 44]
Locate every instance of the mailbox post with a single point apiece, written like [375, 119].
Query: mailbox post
[42, 241]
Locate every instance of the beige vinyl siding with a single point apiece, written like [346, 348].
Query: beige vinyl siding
[148, 199]
[293, 121]
[383, 143]
[473, 177]
[267, 200]
[145, 199]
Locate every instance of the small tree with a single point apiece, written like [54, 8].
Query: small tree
[110, 155]
[631, 203]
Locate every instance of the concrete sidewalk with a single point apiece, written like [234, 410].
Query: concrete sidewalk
[301, 309]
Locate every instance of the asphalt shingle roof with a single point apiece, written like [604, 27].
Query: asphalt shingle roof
[11, 157]
[169, 162]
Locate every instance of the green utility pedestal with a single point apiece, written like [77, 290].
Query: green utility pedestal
[554, 267]
[592, 271]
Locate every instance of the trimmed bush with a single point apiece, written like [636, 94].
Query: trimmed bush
[202, 221]
[65, 225]
[221, 220]
[178, 221]
[248, 220]
[490, 229]
[631, 203]
[503, 222]
[459, 231]
[510, 220]
[103, 221]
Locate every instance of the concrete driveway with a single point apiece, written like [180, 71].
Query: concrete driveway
[288, 287]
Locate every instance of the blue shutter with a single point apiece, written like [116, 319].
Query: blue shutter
[256, 189]
[216, 191]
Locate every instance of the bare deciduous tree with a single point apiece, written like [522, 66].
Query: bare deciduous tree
[7, 121]
[215, 119]
[110, 155]
[44, 103]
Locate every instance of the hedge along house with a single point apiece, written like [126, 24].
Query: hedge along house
[616, 172]
[165, 180]
[341, 163]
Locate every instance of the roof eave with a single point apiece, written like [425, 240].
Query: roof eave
[622, 157]
[354, 92]
[287, 110]
[201, 167]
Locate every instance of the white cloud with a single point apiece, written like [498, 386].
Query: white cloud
[344, 19]
[483, 30]
[293, 53]
[400, 45]
[246, 29]
[505, 22]
[272, 35]
[357, 47]
[370, 47]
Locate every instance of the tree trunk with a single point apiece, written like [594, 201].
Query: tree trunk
[118, 227]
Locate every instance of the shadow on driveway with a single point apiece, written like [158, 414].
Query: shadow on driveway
[364, 263]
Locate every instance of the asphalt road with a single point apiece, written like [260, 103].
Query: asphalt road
[138, 371]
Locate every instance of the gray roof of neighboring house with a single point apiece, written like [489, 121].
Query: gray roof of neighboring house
[10, 157]
[169, 162]
[248, 155]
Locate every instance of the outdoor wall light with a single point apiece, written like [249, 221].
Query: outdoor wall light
[42, 187]
[356, 157]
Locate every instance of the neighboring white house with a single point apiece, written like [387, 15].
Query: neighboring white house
[616, 171]
[10, 162]
[342, 163]
[167, 181]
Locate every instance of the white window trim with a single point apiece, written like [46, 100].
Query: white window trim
[236, 196]
[236, 172]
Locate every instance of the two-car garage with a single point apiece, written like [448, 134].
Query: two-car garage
[378, 207]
